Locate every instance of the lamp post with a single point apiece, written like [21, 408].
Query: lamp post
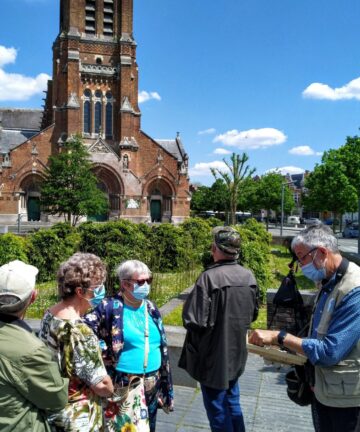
[282, 205]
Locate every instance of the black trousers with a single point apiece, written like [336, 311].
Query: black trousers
[330, 419]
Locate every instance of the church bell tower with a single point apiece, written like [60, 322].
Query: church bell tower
[94, 90]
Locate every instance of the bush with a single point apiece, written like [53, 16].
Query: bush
[12, 247]
[48, 248]
[115, 242]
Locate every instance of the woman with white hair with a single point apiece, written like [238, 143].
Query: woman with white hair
[122, 323]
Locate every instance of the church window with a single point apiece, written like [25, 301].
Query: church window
[97, 117]
[87, 117]
[108, 17]
[90, 21]
[87, 112]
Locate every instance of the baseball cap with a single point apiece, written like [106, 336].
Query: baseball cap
[227, 240]
[17, 280]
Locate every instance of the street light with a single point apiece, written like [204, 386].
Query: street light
[282, 205]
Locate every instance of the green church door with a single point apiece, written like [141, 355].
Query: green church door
[155, 211]
[33, 206]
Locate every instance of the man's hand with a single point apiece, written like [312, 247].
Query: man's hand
[263, 337]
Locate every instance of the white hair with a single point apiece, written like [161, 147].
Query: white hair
[127, 269]
[316, 236]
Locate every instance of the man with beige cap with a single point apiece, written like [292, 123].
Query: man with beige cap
[31, 386]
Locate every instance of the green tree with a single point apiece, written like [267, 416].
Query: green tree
[70, 188]
[329, 188]
[269, 194]
[234, 179]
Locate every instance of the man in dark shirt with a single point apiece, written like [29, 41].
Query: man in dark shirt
[217, 315]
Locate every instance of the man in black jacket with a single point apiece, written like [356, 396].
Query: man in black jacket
[217, 314]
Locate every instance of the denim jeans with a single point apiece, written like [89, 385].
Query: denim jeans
[331, 419]
[223, 408]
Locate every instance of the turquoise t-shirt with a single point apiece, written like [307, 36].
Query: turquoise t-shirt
[132, 357]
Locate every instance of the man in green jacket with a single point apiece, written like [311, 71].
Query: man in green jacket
[31, 386]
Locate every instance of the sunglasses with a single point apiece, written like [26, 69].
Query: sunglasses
[141, 281]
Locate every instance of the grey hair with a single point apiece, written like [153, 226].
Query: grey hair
[78, 271]
[127, 269]
[319, 235]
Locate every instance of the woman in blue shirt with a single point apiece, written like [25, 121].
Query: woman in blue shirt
[120, 322]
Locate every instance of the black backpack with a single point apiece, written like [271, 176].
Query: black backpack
[289, 296]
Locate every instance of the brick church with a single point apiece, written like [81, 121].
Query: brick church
[94, 92]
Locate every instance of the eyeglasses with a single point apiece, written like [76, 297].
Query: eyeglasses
[141, 281]
[301, 260]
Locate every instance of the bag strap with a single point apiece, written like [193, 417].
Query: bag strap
[146, 335]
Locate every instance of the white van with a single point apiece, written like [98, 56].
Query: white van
[293, 220]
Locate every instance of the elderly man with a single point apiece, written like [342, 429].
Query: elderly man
[333, 345]
[30, 383]
[217, 314]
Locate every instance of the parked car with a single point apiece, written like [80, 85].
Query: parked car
[312, 221]
[293, 220]
[351, 231]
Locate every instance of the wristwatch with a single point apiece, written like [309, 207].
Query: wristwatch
[281, 337]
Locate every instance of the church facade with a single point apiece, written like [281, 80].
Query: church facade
[94, 93]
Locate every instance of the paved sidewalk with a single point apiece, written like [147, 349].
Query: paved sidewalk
[264, 402]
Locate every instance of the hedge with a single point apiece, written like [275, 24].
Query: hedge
[164, 248]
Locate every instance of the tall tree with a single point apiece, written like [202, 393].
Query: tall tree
[328, 188]
[234, 179]
[70, 188]
[269, 194]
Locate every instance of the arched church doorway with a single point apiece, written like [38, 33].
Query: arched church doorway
[160, 200]
[110, 185]
[30, 194]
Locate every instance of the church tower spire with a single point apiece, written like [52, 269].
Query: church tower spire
[94, 90]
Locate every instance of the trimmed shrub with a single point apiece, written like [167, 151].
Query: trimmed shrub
[115, 242]
[48, 248]
[12, 247]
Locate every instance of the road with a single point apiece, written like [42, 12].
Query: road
[345, 244]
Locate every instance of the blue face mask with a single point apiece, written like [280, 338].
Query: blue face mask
[312, 273]
[141, 291]
[99, 295]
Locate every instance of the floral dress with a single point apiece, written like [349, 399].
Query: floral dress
[77, 351]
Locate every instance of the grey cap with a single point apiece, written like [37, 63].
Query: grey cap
[227, 240]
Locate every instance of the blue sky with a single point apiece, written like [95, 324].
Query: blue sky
[277, 79]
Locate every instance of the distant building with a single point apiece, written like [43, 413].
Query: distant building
[94, 92]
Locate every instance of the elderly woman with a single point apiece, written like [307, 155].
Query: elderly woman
[120, 321]
[80, 286]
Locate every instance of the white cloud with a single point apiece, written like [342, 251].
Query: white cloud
[16, 87]
[209, 131]
[304, 151]
[286, 170]
[222, 151]
[351, 90]
[252, 138]
[145, 96]
[7, 55]
[203, 168]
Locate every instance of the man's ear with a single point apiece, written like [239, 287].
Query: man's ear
[33, 296]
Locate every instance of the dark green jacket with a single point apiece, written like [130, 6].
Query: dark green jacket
[30, 382]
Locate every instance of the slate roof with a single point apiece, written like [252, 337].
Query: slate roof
[174, 147]
[17, 126]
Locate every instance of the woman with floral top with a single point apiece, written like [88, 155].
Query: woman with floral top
[80, 286]
[120, 324]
